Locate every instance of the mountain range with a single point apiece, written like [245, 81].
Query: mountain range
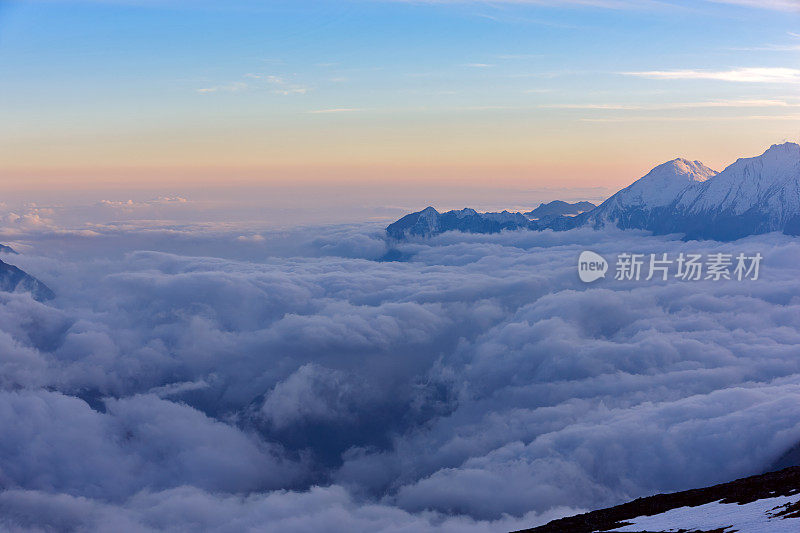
[752, 196]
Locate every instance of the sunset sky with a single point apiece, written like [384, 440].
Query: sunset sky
[585, 93]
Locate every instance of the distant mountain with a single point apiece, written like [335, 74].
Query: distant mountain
[752, 196]
[769, 502]
[430, 222]
[7, 250]
[559, 208]
[12, 279]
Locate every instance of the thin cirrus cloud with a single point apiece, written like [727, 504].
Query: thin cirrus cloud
[780, 5]
[770, 48]
[676, 105]
[227, 88]
[775, 5]
[609, 4]
[740, 75]
[276, 84]
[704, 118]
[334, 111]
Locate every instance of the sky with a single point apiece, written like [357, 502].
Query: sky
[382, 97]
[198, 369]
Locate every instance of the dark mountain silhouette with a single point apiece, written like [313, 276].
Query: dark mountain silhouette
[12, 279]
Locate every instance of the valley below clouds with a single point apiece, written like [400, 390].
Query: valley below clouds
[191, 377]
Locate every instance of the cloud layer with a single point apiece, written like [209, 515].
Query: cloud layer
[298, 380]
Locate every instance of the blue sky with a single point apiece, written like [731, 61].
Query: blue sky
[590, 92]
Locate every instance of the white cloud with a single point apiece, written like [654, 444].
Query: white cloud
[604, 4]
[234, 87]
[676, 105]
[276, 84]
[692, 118]
[251, 238]
[771, 48]
[283, 86]
[779, 5]
[131, 204]
[287, 91]
[741, 75]
[335, 110]
[332, 509]
[316, 386]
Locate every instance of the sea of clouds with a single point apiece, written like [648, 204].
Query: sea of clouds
[209, 377]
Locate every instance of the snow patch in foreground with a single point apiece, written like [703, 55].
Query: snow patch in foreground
[756, 517]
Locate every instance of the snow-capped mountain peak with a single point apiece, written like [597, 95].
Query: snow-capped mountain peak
[770, 182]
[661, 185]
[641, 203]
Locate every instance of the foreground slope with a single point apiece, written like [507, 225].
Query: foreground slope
[768, 503]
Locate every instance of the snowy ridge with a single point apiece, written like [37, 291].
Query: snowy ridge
[752, 196]
[770, 180]
[765, 503]
[761, 516]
